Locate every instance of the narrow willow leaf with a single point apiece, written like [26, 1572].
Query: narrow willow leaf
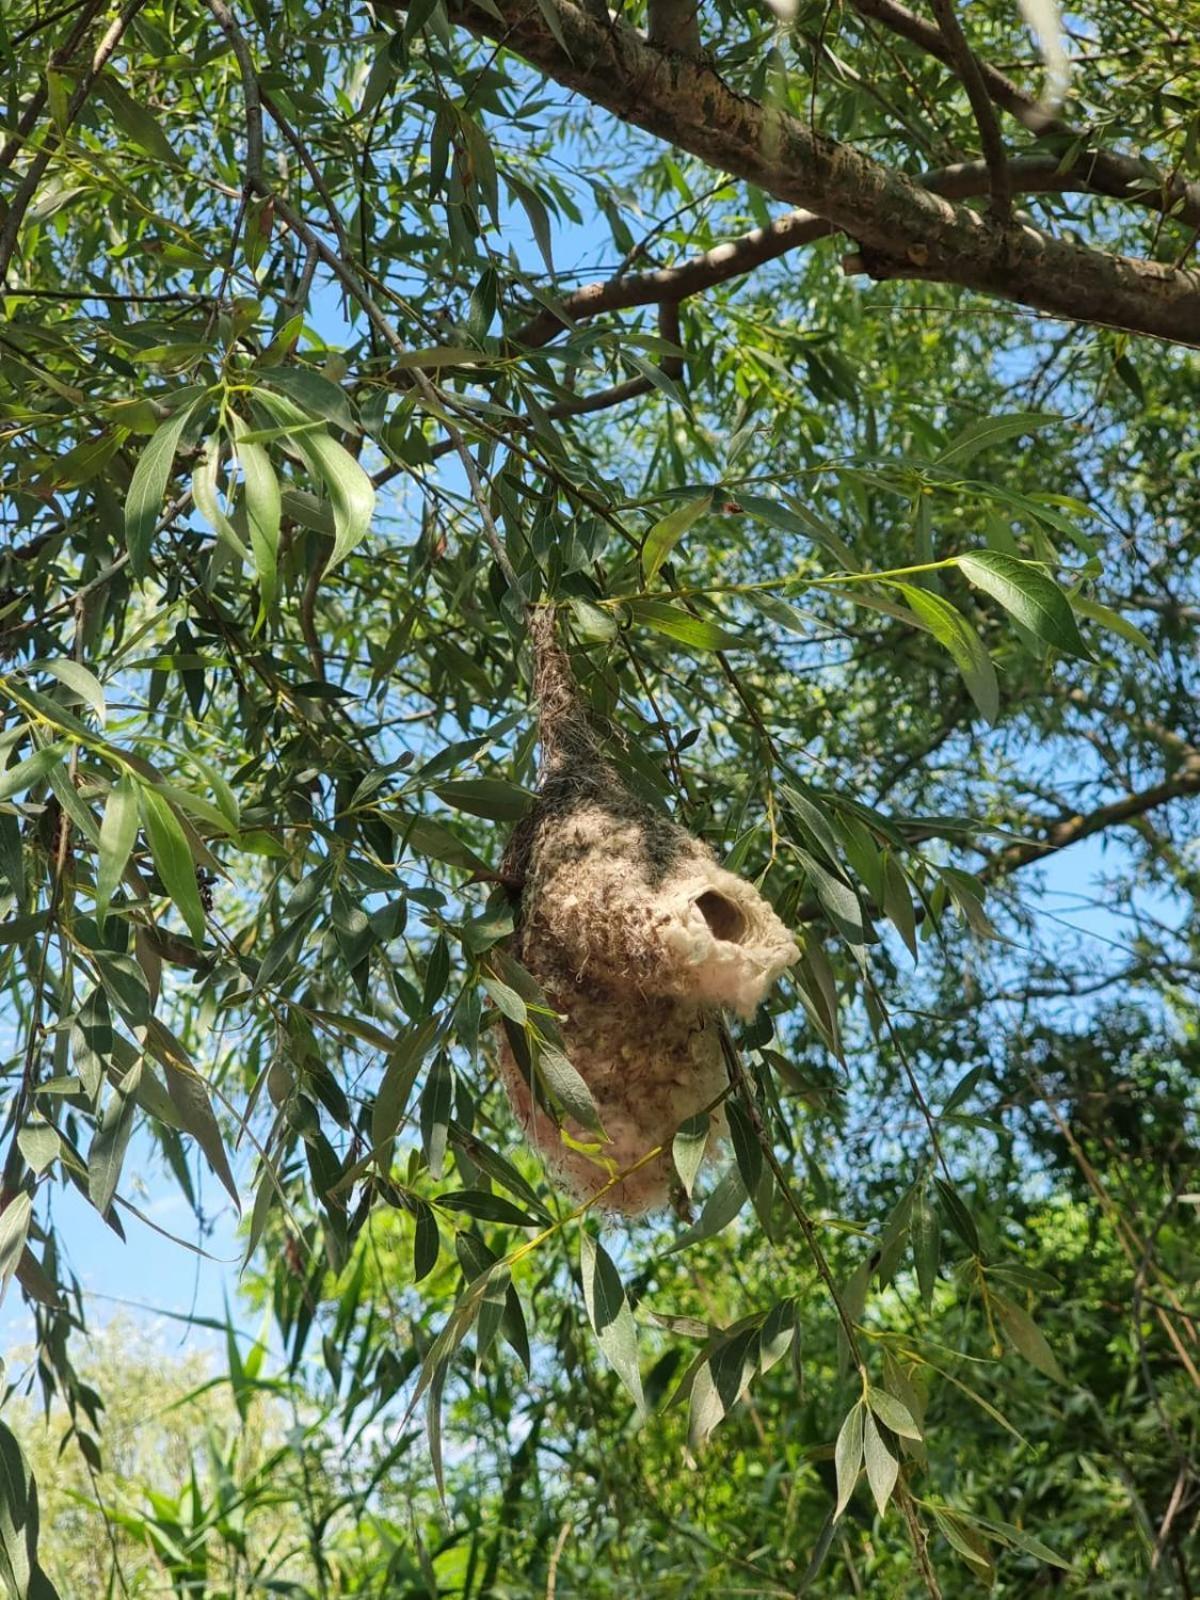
[190, 1097]
[404, 1062]
[260, 488]
[1019, 1539]
[719, 1210]
[79, 680]
[436, 1099]
[487, 1207]
[22, 1577]
[609, 1313]
[925, 1231]
[14, 1229]
[490, 798]
[894, 1413]
[956, 635]
[111, 1138]
[1106, 617]
[507, 1001]
[118, 831]
[39, 1144]
[1028, 593]
[351, 493]
[687, 1149]
[1026, 1337]
[16, 779]
[796, 518]
[148, 488]
[696, 632]
[965, 1541]
[848, 1455]
[173, 860]
[565, 1086]
[985, 431]
[207, 500]
[137, 120]
[882, 1467]
[667, 532]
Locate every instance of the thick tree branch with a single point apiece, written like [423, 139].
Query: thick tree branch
[1106, 171]
[1073, 827]
[894, 218]
[734, 258]
[1068, 829]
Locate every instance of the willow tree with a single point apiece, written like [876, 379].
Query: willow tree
[825, 371]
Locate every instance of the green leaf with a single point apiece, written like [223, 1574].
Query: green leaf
[190, 1098]
[848, 1456]
[207, 501]
[952, 630]
[609, 1313]
[26, 773]
[148, 488]
[507, 1001]
[1106, 617]
[173, 860]
[436, 1099]
[667, 532]
[111, 1138]
[39, 1144]
[404, 1062]
[486, 1206]
[20, 1574]
[797, 518]
[893, 1413]
[719, 1210]
[79, 680]
[490, 798]
[965, 1541]
[882, 1467]
[125, 982]
[985, 431]
[136, 120]
[14, 1230]
[565, 1086]
[1027, 1338]
[1027, 592]
[696, 632]
[688, 1147]
[925, 1231]
[260, 488]
[1019, 1539]
[118, 831]
[315, 394]
[351, 493]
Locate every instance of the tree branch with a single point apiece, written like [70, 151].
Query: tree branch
[1074, 826]
[734, 258]
[897, 220]
[990, 141]
[1107, 172]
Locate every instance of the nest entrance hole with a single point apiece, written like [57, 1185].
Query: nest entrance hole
[725, 919]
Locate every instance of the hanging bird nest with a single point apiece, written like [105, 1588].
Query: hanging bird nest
[638, 938]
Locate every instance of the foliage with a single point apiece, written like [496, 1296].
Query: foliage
[884, 588]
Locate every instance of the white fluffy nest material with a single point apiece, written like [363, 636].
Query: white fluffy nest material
[638, 938]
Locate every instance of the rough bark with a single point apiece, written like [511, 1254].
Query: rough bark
[903, 229]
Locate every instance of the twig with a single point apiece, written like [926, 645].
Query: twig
[21, 201]
[967, 68]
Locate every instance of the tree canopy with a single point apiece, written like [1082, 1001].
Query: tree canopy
[829, 370]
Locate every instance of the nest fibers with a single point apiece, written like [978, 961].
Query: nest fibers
[637, 938]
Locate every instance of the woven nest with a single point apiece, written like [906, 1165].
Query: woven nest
[638, 939]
